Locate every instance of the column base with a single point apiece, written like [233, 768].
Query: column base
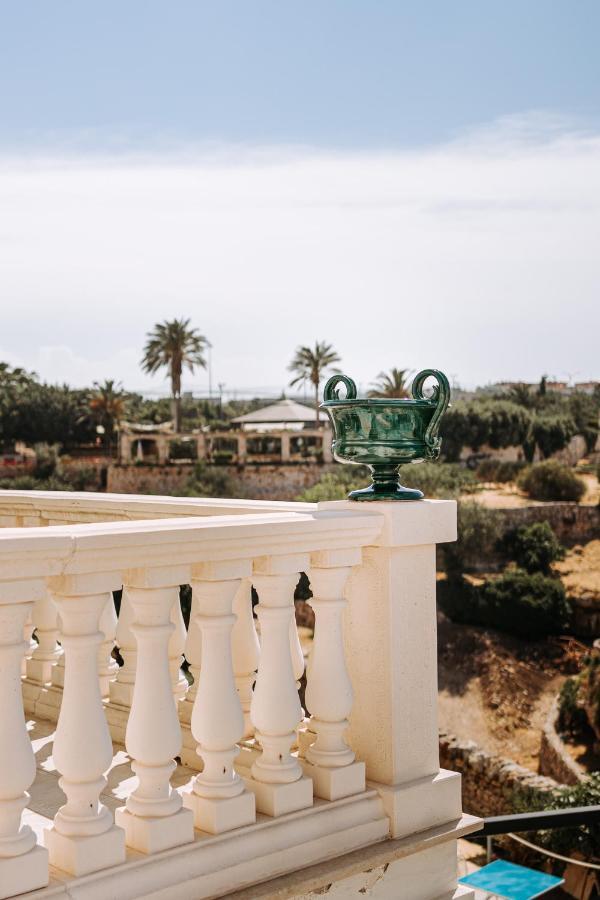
[28, 872]
[335, 783]
[155, 833]
[121, 693]
[81, 855]
[421, 804]
[215, 815]
[279, 799]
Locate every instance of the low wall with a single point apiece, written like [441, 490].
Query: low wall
[572, 523]
[492, 785]
[555, 760]
[256, 482]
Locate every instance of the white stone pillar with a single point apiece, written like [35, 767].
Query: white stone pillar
[176, 648]
[107, 666]
[277, 779]
[83, 838]
[30, 644]
[285, 446]
[390, 636]
[326, 445]
[193, 653]
[242, 450]
[218, 796]
[330, 761]
[121, 689]
[245, 650]
[46, 654]
[153, 817]
[23, 864]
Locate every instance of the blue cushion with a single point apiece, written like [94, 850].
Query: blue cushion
[510, 881]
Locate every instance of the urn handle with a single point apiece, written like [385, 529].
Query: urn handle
[331, 393]
[441, 398]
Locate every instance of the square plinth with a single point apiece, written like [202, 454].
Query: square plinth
[155, 833]
[81, 855]
[219, 815]
[28, 872]
[335, 783]
[279, 799]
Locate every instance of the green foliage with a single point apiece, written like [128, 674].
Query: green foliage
[552, 433]
[551, 480]
[529, 606]
[584, 840]
[473, 423]
[499, 471]
[584, 411]
[180, 449]
[479, 530]
[571, 715]
[212, 481]
[533, 547]
[336, 485]
[434, 479]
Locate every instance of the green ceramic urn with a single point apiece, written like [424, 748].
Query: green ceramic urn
[385, 434]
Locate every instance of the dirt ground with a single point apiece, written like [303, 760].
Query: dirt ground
[508, 496]
[580, 570]
[497, 690]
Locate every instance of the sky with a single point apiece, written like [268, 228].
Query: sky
[418, 184]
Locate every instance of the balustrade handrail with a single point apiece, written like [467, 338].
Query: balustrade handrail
[38, 552]
[71, 505]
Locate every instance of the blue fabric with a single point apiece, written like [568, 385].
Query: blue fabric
[510, 881]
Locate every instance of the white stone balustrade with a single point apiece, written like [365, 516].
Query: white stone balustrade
[218, 797]
[371, 696]
[153, 817]
[332, 764]
[83, 838]
[23, 864]
[245, 648]
[277, 778]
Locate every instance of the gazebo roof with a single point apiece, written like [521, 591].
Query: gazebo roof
[282, 411]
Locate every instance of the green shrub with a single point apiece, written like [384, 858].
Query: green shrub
[445, 480]
[181, 449]
[552, 433]
[533, 547]
[584, 840]
[77, 478]
[212, 481]
[551, 480]
[571, 716]
[498, 470]
[46, 460]
[337, 484]
[479, 530]
[529, 606]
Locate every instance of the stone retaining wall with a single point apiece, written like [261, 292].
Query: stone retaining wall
[572, 524]
[257, 482]
[492, 785]
[555, 760]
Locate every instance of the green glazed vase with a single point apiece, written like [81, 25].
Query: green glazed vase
[385, 434]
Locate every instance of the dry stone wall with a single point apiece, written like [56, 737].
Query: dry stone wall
[492, 785]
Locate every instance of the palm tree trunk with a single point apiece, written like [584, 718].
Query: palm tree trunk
[317, 405]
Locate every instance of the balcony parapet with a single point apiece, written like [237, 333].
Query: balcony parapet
[272, 785]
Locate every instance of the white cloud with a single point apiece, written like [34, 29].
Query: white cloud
[479, 257]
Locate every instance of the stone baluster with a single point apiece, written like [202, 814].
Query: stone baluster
[176, 648]
[83, 838]
[218, 796]
[245, 650]
[30, 643]
[46, 654]
[23, 864]
[107, 665]
[193, 653]
[153, 817]
[330, 761]
[277, 778]
[121, 689]
[296, 650]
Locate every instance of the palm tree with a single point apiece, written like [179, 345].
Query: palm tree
[108, 407]
[391, 384]
[310, 364]
[177, 346]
